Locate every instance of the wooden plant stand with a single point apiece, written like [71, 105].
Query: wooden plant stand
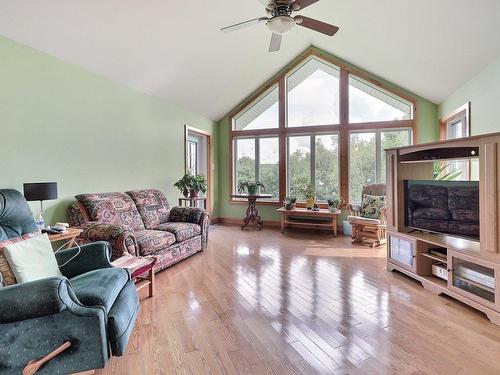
[252, 213]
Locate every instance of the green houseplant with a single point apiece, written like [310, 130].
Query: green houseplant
[251, 187]
[289, 203]
[190, 185]
[335, 204]
[307, 191]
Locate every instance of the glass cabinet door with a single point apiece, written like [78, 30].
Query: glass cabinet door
[477, 281]
[402, 252]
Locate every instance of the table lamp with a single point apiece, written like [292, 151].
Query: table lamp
[40, 191]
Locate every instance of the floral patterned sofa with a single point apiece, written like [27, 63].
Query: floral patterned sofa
[140, 223]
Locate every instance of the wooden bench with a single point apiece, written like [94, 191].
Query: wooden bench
[302, 217]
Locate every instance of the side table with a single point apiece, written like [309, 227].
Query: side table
[252, 214]
[141, 270]
[70, 234]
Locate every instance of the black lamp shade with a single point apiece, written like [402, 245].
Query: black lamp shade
[40, 191]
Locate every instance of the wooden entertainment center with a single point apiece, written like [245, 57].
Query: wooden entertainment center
[472, 268]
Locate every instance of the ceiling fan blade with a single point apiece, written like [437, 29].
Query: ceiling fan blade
[316, 25]
[275, 42]
[243, 24]
[304, 3]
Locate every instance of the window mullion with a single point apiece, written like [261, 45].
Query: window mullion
[378, 156]
[313, 161]
[257, 159]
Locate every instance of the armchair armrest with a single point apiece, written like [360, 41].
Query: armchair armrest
[122, 240]
[92, 256]
[189, 215]
[354, 209]
[383, 214]
[34, 299]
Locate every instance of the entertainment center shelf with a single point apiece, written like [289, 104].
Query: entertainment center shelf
[464, 268]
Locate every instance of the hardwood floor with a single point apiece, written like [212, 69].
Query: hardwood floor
[301, 303]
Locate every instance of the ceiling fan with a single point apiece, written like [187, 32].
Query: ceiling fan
[280, 20]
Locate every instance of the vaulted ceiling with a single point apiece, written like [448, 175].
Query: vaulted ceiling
[174, 49]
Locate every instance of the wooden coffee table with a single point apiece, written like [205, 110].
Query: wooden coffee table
[141, 270]
[303, 214]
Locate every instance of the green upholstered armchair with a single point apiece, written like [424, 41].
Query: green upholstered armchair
[93, 306]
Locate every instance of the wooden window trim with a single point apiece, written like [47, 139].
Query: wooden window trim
[462, 111]
[343, 129]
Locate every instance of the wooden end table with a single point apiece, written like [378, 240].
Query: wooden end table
[252, 214]
[193, 202]
[141, 270]
[70, 234]
[306, 214]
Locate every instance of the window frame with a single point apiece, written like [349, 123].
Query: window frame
[343, 129]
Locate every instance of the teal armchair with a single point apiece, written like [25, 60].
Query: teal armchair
[93, 306]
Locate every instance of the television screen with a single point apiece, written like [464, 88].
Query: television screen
[450, 207]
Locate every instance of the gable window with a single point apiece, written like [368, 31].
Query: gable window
[318, 123]
[322, 108]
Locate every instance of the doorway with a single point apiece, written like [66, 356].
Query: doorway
[197, 145]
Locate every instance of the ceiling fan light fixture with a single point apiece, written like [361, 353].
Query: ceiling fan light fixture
[281, 24]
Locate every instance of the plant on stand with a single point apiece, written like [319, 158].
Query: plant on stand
[307, 191]
[335, 204]
[251, 187]
[190, 185]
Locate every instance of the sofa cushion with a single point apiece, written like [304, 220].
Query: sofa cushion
[152, 241]
[152, 205]
[121, 318]
[181, 231]
[100, 287]
[112, 208]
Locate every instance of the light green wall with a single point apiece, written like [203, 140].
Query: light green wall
[61, 123]
[427, 123]
[483, 91]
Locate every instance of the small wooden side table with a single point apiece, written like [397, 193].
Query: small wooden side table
[192, 202]
[141, 270]
[252, 214]
[70, 234]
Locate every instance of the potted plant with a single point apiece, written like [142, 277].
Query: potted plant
[289, 203]
[307, 191]
[184, 184]
[251, 187]
[198, 183]
[335, 204]
[191, 185]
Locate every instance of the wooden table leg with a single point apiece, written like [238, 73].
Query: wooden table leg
[151, 282]
[283, 216]
[334, 223]
[252, 214]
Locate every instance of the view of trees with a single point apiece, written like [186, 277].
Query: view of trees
[313, 99]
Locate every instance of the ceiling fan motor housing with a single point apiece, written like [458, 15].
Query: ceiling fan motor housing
[281, 21]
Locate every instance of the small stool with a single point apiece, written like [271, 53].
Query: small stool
[138, 267]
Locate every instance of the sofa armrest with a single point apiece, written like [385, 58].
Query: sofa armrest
[92, 256]
[122, 240]
[193, 215]
[34, 299]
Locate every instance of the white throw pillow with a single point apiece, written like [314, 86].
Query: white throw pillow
[32, 259]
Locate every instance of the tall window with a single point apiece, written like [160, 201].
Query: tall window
[193, 157]
[257, 159]
[292, 133]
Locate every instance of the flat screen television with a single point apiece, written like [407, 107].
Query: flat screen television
[449, 207]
